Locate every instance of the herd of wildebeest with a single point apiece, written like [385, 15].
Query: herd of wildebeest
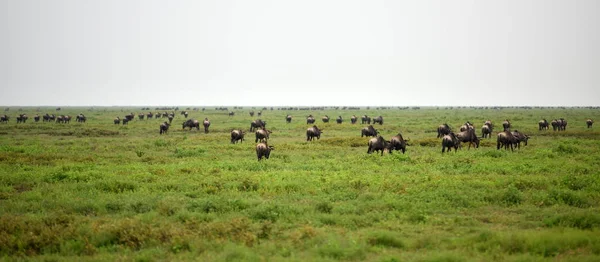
[450, 139]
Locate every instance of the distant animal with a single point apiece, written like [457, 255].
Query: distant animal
[141, 116]
[339, 120]
[468, 136]
[378, 119]
[257, 124]
[117, 120]
[310, 120]
[36, 118]
[377, 144]
[443, 130]
[231, 113]
[519, 137]
[262, 135]
[486, 131]
[489, 123]
[4, 119]
[251, 113]
[237, 135]
[288, 119]
[206, 124]
[563, 124]
[353, 119]
[325, 119]
[125, 121]
[450, 141]
[466, 126]
[263, 150]
[505, 139]
[589, 123]
[543, 124]
[164, 127]
[506, 125]
[365, 119]
[149, 115]
[185, 114]
[313, 132]
[397, 143]
[368, 131]
[555, 124]
[130, 117]
[259, 114]
[170, 117]
[22, 118]
[80, 118]
[191, 123]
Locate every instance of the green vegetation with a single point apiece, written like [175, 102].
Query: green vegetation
[99, 191]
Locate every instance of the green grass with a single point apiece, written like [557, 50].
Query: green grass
[98, 191]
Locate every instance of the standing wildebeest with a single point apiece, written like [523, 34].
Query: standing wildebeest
[263, 150]
[466, 126]
[543, 124]
[149, 115]
[368, 131]
[489, 123]
[443, 130]
[157, 115]
[339, 120]
[67, 119]
[60, 119]
[288, 119]
[378, 144]
[251, 113]
[185, 114]
[397, 143]
[125, 121]
[378, 119]
[262, 135]
[257, 124]
[130, 117]
[486, 131]
[237, 135]
[555, 124]
[353, 119]
[170, 117]
[563, 124]
[36, 118]
[141, 116]
[365, 119]
[449, 141]
[206, 124]
[191, 123]
[164, 127]
[325, 119]
[231, 113]
[506, 125]
[259, 113]
[80, 118]
[313, 132]
[4, 119]
[310, 120]
[22, 118]
[519, 137]
[506, 139]
[117, 120]
[468, 136]
[589, 123]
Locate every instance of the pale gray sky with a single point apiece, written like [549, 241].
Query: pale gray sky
[309, 52]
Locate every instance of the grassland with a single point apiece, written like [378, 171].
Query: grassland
[98, 191]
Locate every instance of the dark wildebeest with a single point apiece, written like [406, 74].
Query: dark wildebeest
[339, 120]
[397, 143]
[164, 127]
[368, 131]
[365, 119]
[22, 118]
[170, 117]
[130, 117]
[468, 136]
[555, 124]
[191, 123]
[149, 115]
[263, 150]
[443, 130]
[237, 135]
[325, 119]
[257, 124]
[313, 132]
[506, 125]
[67, 119]
[353, 119]
[251, 113]
[165, 114]
[125, 121]
[378, 119]
[117, 120]
[466, 126]
[543, 124]
[4, 119]
[377, 144]
[157, 115]
[489, 123]
[231, 113]
[80, 118]
[141, 116]
[310, 120]
[288, 119]
[589, 123]
[506, 139]
[36, 118]
[449, 141]
[519, 137]
[486, 131]
[185, 114]
[563, 124]
[206, 124]
[262, 135]
[60, 119]
[259, 114]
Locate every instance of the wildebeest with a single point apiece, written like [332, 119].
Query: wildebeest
[443, 130]
[117, 120]
[237, 135]
[353, 119]
[141, 116]
[325, 119]
[164, 127]
[506, 139]
[191, 123]
[310, 120]
[60, 119]
[589, 123]
[67, 119]
[562, 124]
[466, 126]
[397, 143]
[377, 144]
[206, 124]
[489, 123]
[543, 124]
[378, 119]
[36, 118]
[149, 115]
[257, 124]
[22, 118]
[80, 118]
[262, 135]
[251, 113]
[170, 117]
[313, 132]
[263, 150]
[365, 119]
[4, 119]
[157, 115]
[130, 117]
[519, 137]
[450, 141]
[185, 114]
[486, 131]
[368, 131]
[555, 124]
[259, 113]
[125, 121]
[339, 120]
[231, 113]
[288, 119]
[506, 125]
[468, 136]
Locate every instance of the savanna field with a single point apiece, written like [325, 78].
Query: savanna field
[97, 191]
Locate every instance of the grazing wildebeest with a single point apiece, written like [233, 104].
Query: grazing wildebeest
[449, 141]
[288, 119]
[164, 127]
[313, 132]
[589, 123]
[519, 137]
[237, 135]
[397, 143]
[257, 124]
[506, 125]
[191, 123]
[377, 144]
[80, 118]
[353, 119]
[206, 124]
[365, 119]
[130, 117]
[310, 120]
[185, 114]
[117, 120]
[60, 119]
[325, 119]
[165, 114]
[67, 119]
[443, 130]
[378, 119]
[231, 113]
[22, 118]
[149, 115]
[468, 136]
[263, 150]
[506, 139]
[466, 126]
[157, 115]
[262, 135]
[4, 119]
[251, 113]
[170, 117]
[543, 124]
[141, 116]
[36, 118]
[339, 120]
[486, 131]
[259, 113]
[368, 131]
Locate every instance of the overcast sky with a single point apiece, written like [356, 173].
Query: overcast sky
[392, 53]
